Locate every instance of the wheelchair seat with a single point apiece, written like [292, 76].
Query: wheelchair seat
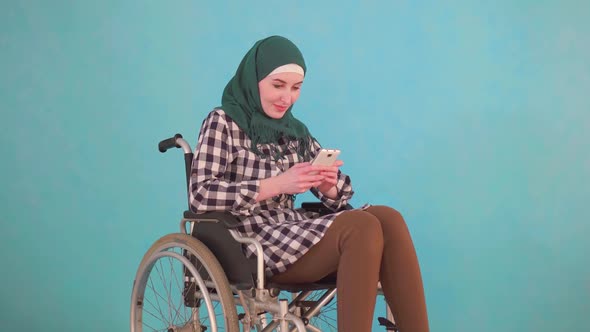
[212, 228]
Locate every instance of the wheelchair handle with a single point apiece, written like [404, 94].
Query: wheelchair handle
[169, 143]
[174, 142]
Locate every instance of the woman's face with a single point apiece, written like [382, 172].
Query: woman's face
[278, 92]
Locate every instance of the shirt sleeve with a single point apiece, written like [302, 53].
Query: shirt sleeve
[343, 186]
[208, 189]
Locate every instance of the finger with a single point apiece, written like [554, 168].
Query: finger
[329, 176]
[327, 169]
[303, 187]
[301, 165]
[331, 181]
[314, 168]
[310, 176]
[338, 163]
[307, 169]
[313, 178]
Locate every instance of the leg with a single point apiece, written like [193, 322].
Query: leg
[352, 246]
[400, 272]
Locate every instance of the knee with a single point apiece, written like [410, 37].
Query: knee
[385, 212]
[392, 222]
[364, 229]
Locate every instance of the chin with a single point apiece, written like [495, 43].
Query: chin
[277, 116]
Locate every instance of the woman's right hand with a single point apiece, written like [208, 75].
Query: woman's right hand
[297, 179]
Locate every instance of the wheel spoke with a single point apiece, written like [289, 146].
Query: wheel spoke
[153, 329]
[144, 323]
[178, 308]
[323, 319]
[158, 302]
[180, 298]
[168, 293]
[162, 279]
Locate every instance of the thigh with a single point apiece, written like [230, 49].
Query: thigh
[322, 259]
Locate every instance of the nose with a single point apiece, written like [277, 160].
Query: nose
[286, 98]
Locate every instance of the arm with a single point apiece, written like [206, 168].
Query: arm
[209, 191]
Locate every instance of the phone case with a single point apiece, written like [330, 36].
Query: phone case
[326, 157]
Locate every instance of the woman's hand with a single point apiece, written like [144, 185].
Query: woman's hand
[300, 178]
[295, 180]
[330, 174]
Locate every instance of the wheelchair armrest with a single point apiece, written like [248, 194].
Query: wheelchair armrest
[320, 208]
[346, 207]
[226, 218]
[232, 221]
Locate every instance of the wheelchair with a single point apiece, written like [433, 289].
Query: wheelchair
[200, 280]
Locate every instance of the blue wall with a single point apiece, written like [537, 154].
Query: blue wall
[473, 120]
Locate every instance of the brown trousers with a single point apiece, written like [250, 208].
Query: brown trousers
[364, 247]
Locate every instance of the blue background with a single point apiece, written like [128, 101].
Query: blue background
[471, 119]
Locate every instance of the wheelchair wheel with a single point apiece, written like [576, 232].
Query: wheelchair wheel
[180, 287]
[306, 303]
[325, 320]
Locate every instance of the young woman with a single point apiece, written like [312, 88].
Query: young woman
[253, 156]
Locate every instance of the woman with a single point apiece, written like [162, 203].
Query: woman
[251, 159]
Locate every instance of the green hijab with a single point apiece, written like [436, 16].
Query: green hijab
[241, 98]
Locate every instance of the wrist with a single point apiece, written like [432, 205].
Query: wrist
[269, 187]
[277, 184]
[274, 185]
[331, 192]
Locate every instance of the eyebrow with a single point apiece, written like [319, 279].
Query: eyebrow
[277, 79]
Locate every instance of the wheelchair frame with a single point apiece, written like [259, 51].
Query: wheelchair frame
[246, 277]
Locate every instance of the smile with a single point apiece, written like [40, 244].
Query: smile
[280, 108]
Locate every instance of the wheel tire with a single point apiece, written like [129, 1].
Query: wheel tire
[172, 246]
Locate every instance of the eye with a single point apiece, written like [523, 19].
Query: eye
[277, 86]
[296, 88]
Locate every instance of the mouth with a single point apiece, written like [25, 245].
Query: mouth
[280, 108]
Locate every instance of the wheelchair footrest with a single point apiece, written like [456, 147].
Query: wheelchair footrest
[389, 325]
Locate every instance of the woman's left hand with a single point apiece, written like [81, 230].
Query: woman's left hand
[330, 174]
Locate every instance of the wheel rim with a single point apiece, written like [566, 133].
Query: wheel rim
[159, 301]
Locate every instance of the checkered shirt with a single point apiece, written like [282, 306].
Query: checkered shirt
[226, 176]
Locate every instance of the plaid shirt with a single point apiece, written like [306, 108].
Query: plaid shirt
[226, 177]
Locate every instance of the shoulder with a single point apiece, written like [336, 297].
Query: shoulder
[216, 120]
[219, 123]
[217, 117]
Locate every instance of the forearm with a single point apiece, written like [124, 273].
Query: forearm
[269, 187]
[332, 193]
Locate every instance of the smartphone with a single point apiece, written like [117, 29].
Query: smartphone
[326, 157]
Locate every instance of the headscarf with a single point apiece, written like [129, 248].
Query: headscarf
[241, 98]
